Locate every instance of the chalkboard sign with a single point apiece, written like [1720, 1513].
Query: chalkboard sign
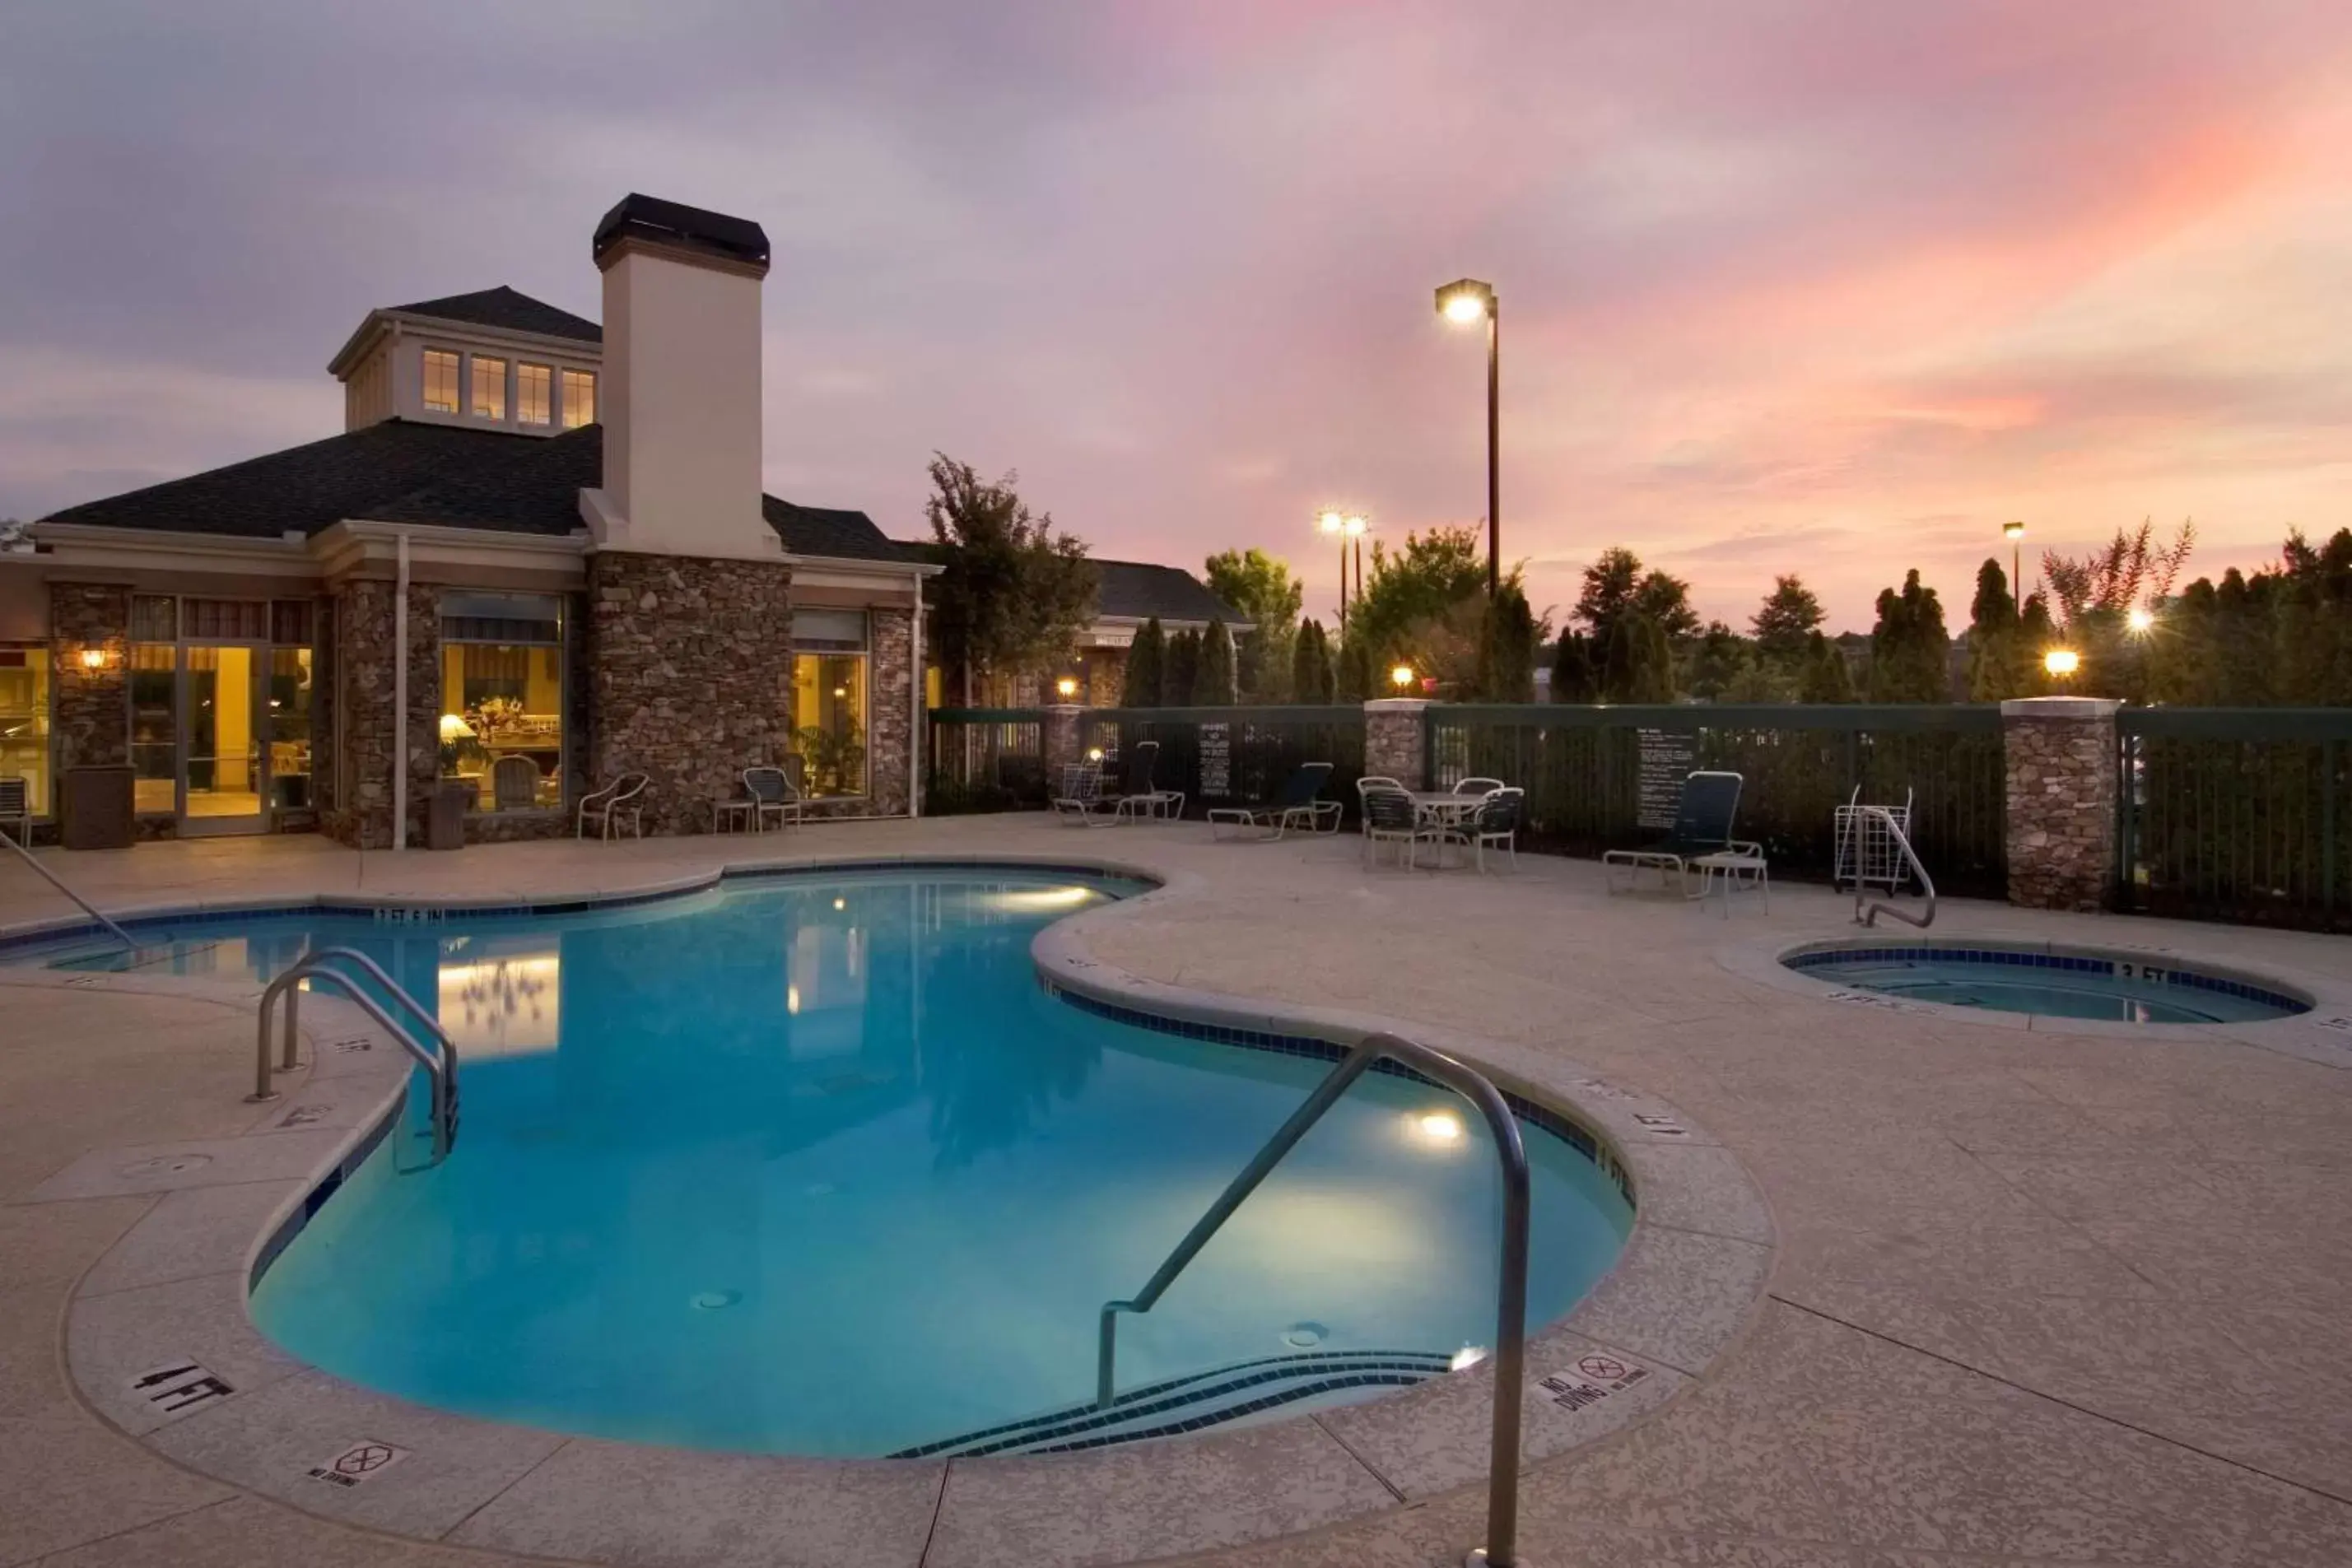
[1216, 759]
[1668, 755]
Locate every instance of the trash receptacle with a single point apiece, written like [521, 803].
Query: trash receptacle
[445, 823]
[96, 808]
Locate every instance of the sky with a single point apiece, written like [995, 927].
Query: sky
[1826, 286]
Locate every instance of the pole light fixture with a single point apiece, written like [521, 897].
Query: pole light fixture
[1465, 302]
[2013, 532]
[2141, 620]
[1344, 527]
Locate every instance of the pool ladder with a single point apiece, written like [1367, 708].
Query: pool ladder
[1511, 1294]
[441, 1069]
[1887, 823]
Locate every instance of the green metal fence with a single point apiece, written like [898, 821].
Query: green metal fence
[984, 759]
[2241, 814]
[1604, 778]
[1229, 756]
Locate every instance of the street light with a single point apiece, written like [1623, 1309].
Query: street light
[2013, 532]
[2141, 620]
[1346, 526]
[1463, 302]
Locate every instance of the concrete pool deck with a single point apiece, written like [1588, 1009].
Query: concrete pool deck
[2053, 1298]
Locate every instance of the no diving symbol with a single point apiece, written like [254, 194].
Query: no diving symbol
[1608, 1369]
[361, 1461]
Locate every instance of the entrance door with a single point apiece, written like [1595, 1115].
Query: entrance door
[225, 739]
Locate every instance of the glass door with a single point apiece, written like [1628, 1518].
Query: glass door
[224, 732]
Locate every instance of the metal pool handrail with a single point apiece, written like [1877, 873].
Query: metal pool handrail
[1511, 1305]
[441, 1070]
[55, 881]
[1869, 916]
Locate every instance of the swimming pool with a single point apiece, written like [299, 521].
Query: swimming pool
[813, 1165]
[2052, 982]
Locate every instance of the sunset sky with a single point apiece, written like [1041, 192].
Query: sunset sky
[1829, 287]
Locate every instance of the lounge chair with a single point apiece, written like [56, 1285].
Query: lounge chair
[1080, 796]
[775, 794]
[1702, 827]
[1391, 818]
[621, 801]
[1142, 797]
[1296, 807]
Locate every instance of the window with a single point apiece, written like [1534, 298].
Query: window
[579, 399]
[225, 620]
[155, 726]
[440, 380]
[25, 719]
[829, 700]
[534, 391]
[502, 698]
[154, 618]
[289, 623]
[290, 729]
[490, 388]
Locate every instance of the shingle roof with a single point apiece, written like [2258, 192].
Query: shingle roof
[505, 307]
[445, 476]
[1135, 589]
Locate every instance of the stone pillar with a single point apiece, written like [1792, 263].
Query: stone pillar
[1061, 741]
[1395, 740]
[362, 624]
[690, 668]
[891, 700]
[2059, 767]
[93, 701]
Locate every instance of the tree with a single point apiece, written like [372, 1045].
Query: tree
[1310, 665]
[1260, 587]
[1783, 626]
[1213, 682]
[1616, 585]
[1575, 670]
[1147, 667]
[1014, 593]
[1640, 665]
[2000, 662]
[1352, 669]
[1718, 661]
[1508, 632]
[1181, 670]
[1433, 575]
[1909, 653]
[1826, 679]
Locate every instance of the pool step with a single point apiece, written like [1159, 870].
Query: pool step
[1189, 1403]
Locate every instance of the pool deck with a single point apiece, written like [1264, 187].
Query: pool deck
[2054, 1298]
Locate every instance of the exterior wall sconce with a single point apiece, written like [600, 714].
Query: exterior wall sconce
[94, 658]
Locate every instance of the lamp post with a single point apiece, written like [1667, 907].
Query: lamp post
[1463, 301]
[2013, 532]
[1346, 526]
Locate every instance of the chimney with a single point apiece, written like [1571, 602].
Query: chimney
[681, 396]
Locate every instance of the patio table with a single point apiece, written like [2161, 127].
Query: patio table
[1444, 808]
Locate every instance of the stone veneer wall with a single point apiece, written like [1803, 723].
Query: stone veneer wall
[891, 733]
[93, 707]
[690, 676]
[2060, 757]
[1394, 743]
[363, 628]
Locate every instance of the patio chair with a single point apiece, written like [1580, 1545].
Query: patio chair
[1498, 822]
[1477, 786]
[1391, 818]
[1080, 795]
[514, 783]
[621, 801]
[773, 794]
[1141, 797]
[1702, 827]
[16, 805]
[1294, 808]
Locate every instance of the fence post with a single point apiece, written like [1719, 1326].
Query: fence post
[1062, 741]
[2060, 772]
[1396, 740]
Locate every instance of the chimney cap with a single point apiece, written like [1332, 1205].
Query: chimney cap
[678, 226]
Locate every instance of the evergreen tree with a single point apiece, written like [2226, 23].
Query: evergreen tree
[1508, 636]
[1181, 668]
[1310, 665]
[1786, 622]
[1640, 665]
[1575, 676]
[1213, 681]
[1826, 679]
[1352, 671]
[1718, 659]
[1616, 586]
[1909, 649]
[1147, 664]
[1995, 634]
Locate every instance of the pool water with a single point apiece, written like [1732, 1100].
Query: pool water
[2115, 988]
[816, 1167]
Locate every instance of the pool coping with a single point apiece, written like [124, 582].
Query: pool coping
[173, 1290]
[2322, 1035]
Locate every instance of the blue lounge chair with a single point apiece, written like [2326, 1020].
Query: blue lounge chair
[1702, 827]
[1294, 808]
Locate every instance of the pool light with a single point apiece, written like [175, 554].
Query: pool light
[1468, 1356]
[1438, 1126]
[841, 904]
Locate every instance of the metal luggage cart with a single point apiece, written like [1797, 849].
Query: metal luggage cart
[1868, 854]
